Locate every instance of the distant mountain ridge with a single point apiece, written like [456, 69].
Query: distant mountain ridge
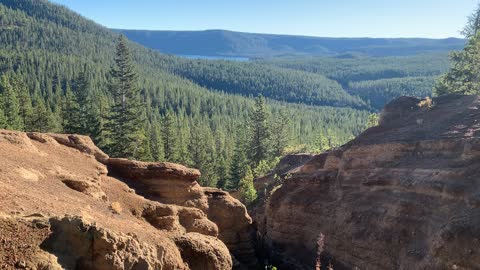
[239, 44]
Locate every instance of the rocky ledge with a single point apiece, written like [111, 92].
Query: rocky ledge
[403, 195]
[64, 204]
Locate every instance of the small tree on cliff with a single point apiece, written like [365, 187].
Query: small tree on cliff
[247, 189]
[464, 74]
[473, 24]
[126, 126]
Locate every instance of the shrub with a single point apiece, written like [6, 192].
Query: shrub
[426, 103]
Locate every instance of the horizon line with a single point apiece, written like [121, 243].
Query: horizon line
[282, 34]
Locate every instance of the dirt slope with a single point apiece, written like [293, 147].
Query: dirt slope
[61, 209]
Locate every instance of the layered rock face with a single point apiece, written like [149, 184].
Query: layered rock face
[175, 184]
[64, 204]
[403, 195]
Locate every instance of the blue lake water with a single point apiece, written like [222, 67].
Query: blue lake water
[232, 58]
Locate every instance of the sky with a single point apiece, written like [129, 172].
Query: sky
[325, 18]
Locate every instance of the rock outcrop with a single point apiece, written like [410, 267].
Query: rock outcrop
[402, 195]
[64, 204]
[170, 183]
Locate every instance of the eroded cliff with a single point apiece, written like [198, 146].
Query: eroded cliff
[64, 204]
[402, 195]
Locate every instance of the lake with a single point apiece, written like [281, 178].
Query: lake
[207, 57]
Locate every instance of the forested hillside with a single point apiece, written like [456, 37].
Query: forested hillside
[251, 79]
[230, 43]
[349, 77]
[347, 81]
[376, 80]
[57, 76]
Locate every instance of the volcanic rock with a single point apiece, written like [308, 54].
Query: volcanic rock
[402, 195]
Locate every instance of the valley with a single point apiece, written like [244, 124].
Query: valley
[217, 149]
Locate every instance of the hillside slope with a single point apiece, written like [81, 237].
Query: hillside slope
[238, 44]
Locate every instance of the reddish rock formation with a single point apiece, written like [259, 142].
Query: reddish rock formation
[61, 208]
[175, 184]
[403, 195]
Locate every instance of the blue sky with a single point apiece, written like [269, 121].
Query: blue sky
[332, 18]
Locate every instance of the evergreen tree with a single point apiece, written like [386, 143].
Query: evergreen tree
[473, 24]
[280, 136]
[24, 100]
[464, 74]
[262, 169]
[182, 149]
[156, 143]
[372, 120]
[209, 173]
[259, 133]
[84, 111]
[41, 119]
[11, 106]
[202, 152]
[71, 121]
[247, 189]
[126, 126]
[3, 120]
[198, 152]
[144, 148]
[239, 163]
[97, 118]
[169, 136]
[322, 143]
[223, 173]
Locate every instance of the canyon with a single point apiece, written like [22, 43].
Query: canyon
[404, 194]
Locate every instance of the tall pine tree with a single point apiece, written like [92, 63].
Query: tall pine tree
[126, 126]
[24, 100]
[280, 136]
[11, 106]
[169, 136]
[70, 111]
[42, 119]
[259, 132]
[464, 74]
[3, 120]
[239, 161]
